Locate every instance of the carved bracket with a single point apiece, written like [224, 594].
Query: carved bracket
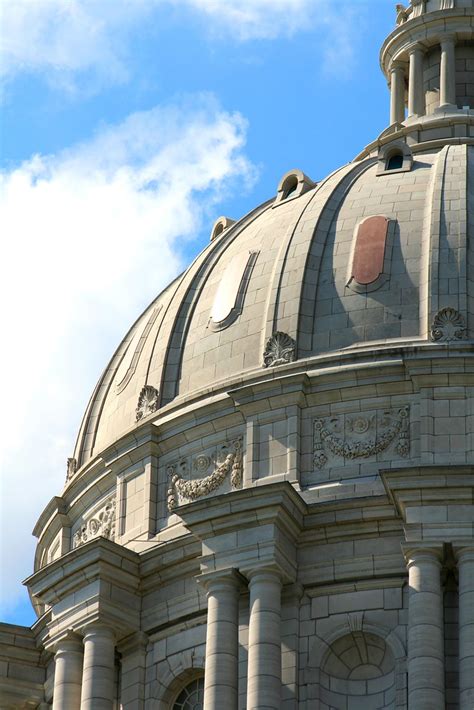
[227, 462]
[350, 436]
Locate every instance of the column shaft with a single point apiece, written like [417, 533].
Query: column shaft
[416, 97]
[397, 95]
[99, 668]
[68, 660]
[264, 657]
[466, 628]
[222, 644]
[425, 631]
[447, 80]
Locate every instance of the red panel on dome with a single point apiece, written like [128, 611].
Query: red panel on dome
[369, 252]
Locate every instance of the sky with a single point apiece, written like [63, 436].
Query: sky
[127, 128]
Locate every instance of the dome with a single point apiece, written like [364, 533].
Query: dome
[271, 497]
[338, 268]
[301, 267]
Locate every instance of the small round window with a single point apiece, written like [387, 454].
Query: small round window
[191, 697]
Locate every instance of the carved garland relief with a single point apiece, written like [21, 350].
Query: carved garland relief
[226, 462]
[360, 436]
[102, 524]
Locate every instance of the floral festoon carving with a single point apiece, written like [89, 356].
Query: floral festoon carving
[148, 402]
[280, 350]
[361, 436]
[448, 325]
[227, 463]
[71, 468]
[102, 524]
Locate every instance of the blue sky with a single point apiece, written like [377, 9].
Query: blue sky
[128, 127]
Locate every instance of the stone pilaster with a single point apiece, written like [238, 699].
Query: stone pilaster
[465, 560]
[397, 95]
[264, 655]
[416, 98]
[222, 639]
[447, 79]
[68, 659]
[425, 627]
[99, 668]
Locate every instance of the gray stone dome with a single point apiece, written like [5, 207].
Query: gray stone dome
[271, 497]
[286, 268]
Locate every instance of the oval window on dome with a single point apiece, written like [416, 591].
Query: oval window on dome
[130, 359]
[368, 257]
[230, 294]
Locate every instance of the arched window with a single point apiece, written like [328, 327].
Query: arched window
[191, 697]
[290, 187]
[395, 162]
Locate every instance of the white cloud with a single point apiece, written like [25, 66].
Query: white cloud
[63, 38]
[91, 235]
[260, 19]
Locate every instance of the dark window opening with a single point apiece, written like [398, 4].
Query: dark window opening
[395, 162]
[291, 188]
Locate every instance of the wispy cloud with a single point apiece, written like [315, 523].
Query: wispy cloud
[260, 19]
[63, 39]
[92, 235]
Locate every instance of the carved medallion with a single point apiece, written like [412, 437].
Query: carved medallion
[227, 461]
[360, 436]
[102, 524]
[448, 325]
[148, 402]
[280, 350]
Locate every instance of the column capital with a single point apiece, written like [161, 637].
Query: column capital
[447, 38]
[397, 65]
[135, 642]
[217, 578]
[271, 572]
[416, 47]
[464, 551]
[414, 552]
[71, 641]
[99, 629]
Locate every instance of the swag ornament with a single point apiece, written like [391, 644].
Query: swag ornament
[182, 490]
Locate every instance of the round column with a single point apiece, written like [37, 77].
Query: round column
[425, 630]
[264, 656]
[221, 679]
[99, 668]
[465, 557]
[447, 80]
[416, 98]
[397, 93]
[68, 658]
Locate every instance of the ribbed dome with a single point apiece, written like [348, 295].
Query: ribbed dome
[287, 268]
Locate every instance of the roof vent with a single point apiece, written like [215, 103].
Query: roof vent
[220, 225]
[293, 184]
